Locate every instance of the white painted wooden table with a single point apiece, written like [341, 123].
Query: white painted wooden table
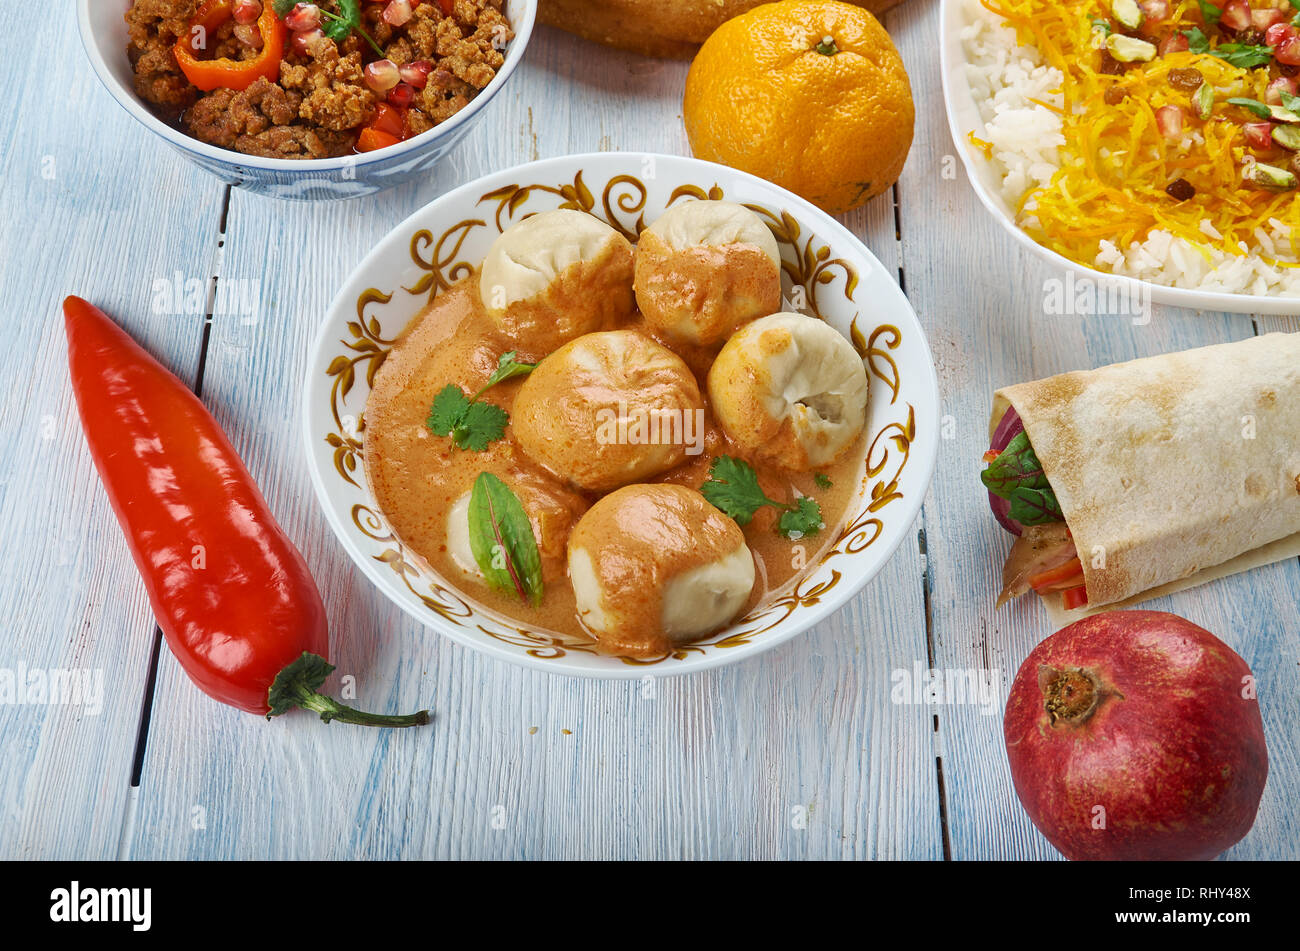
[796, 754]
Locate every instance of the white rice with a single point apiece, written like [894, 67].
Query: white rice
[1026, 137]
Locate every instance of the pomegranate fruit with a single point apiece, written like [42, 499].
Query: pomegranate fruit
[1136, 735]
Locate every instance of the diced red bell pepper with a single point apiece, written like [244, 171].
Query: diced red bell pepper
[372, 139]
[1076, 597]
[1056, 579]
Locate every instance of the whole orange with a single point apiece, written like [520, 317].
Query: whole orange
[809, 94]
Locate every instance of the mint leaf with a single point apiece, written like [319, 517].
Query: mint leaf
[501, 537]
[1209, 12]
[1243, 56]
[1253, 105]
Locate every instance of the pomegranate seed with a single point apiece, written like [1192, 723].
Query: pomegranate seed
[1154, 9]
[1263, 19]
[1236, 15]
[1174, 43]
[304, 43]
[1169, 119]
[401, 95]
[1277, 87]
[1259, 135]
[246, 11]
[397, 13]
[249, 35]
[303, 18]
[1288, 51]
[1278, 32]
[417, 73]
[382, 75]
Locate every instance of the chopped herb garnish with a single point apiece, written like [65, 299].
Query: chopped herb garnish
[1209, 12]
[823, 480]
[1252, 105]
[473, 425]
[470, 424]
[733, 488]
[1241, 55]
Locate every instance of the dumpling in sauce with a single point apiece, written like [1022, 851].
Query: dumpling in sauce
[657, 565]
[552, 510]
[790, 390]
[706, 268]
[556, 276]
[609, 409]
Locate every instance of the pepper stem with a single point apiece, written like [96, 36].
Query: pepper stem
[296, 686]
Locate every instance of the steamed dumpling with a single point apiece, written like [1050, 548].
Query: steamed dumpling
[704, 269]
[790, 390]
[608, 409]
[656, 565]
[555, 276]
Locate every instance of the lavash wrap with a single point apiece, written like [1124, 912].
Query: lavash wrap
[1154, 468]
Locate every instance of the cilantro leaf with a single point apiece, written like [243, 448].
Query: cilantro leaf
[1099, 24]
[470, 425]
[449, 406]
[1209, 12]
[823, 480]
[732, 487]
[483, 423]
[282, 7]
[804, 519]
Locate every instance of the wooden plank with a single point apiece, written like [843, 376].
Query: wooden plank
[719, 765]
[981, 299]
[93, 221]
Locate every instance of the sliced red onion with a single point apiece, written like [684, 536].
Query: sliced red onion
[1009, 427]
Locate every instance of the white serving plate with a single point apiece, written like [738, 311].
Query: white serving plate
[963, 117]
[437, 245]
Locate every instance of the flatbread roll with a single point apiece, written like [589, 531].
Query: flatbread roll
[1171, 470]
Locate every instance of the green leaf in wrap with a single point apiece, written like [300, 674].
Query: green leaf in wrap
[1017, 476]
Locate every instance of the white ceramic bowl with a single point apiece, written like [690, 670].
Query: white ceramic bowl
[104, 36]
[443, 241]
[964, 116]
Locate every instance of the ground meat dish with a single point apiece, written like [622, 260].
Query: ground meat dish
[323, 99]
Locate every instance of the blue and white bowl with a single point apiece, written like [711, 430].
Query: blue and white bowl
[104, 35]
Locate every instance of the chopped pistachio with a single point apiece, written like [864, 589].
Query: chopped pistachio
[1204, 101]
[1128, 49]
[1127, 12]
[1287, 136]
[1282, 114]
[1271, 177]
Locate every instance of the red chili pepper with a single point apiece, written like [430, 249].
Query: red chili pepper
[229, 590]
[224, 73]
